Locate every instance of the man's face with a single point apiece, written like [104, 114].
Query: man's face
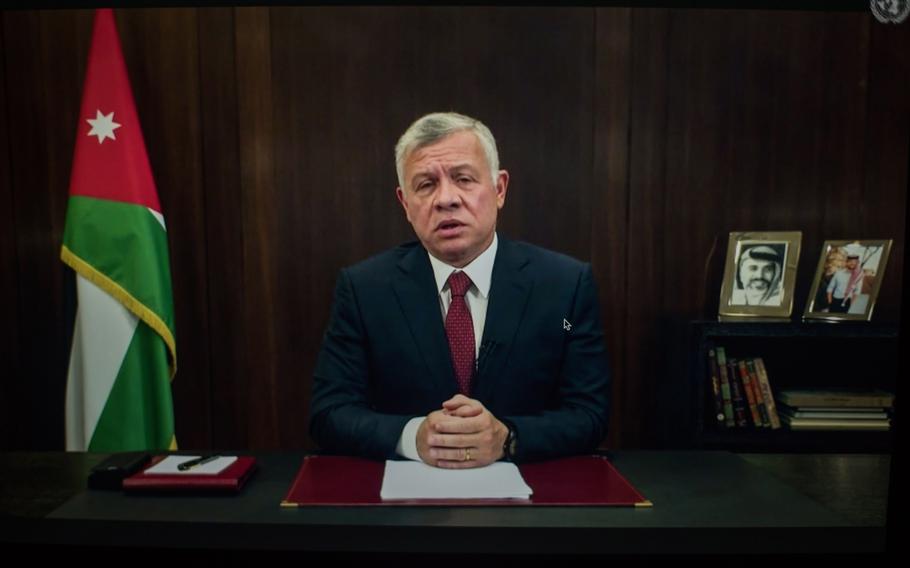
[757, 274]
[851, 264]
[450, 199]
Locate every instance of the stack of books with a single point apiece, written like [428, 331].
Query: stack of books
[835, 409]
[742, 396]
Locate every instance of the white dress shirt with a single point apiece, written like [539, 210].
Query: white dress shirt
[480, 271]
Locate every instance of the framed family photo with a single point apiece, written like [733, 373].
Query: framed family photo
[759, 275]
[847, 280]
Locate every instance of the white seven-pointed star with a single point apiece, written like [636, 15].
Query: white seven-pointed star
[103, 126]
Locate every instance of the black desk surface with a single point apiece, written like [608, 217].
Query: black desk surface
[703, 502]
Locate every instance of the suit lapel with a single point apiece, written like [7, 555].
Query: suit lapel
[509, 292]
[415, 289]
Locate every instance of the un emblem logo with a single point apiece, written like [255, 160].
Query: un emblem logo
[890, 11]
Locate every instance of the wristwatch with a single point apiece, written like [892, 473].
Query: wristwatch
[510, 446]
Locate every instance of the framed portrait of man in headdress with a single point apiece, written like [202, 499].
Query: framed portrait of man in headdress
[760, 275]
[847, 280]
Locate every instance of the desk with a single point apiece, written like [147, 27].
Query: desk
[703, 502]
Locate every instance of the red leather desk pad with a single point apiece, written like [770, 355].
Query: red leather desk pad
[575, 481]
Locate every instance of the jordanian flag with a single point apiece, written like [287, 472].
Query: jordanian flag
[123, 356]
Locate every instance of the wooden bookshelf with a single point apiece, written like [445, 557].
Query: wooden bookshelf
[796, 355]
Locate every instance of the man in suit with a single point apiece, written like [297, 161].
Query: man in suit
[463, 348]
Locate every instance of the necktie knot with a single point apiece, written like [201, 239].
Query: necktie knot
[460, 332]
[459, 282]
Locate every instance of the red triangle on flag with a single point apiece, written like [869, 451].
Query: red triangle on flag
[110, 160]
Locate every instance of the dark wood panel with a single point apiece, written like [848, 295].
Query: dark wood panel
[161, 52]
[262, 204]
[610, 199]
[334, 197]
[44, 93]
[646, 244]
[65, 36]
[536, 85]
[10, 389]
[223, 207]
[817, 132]
[719, 133]
[887, 156]
[842, 132]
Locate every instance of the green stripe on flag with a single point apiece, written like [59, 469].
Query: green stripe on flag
[125, 243]
[122, 248]
[138, 413]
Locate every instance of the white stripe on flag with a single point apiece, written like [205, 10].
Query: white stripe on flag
[158, 217]
[102, 334]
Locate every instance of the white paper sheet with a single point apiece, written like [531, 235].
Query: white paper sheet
[169, 466]
[417, 480]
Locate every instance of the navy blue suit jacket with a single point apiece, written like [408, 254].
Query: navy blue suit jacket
[542, 365]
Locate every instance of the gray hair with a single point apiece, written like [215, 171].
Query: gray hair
[435, 126]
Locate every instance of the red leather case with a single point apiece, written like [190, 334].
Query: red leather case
[231, 479]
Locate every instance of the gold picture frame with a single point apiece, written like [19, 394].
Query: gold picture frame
[759, 276]
[841, 292]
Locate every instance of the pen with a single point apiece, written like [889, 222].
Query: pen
[198, 461]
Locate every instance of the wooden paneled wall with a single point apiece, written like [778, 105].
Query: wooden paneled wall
[636, 139]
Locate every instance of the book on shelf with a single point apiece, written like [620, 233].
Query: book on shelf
[836, 398]
[717, 394]
[749, 391]
[742, 394]
[760, 402]
[830, 413]
[835, 424]
[836, 409]
[767, 394]
[727, 393]
[740, 408]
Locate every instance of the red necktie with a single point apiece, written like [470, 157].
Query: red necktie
[460, 331]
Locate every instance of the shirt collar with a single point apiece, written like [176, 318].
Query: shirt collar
[480, 270]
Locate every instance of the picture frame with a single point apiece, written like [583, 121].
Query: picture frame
[759, 276]
[847, 280]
